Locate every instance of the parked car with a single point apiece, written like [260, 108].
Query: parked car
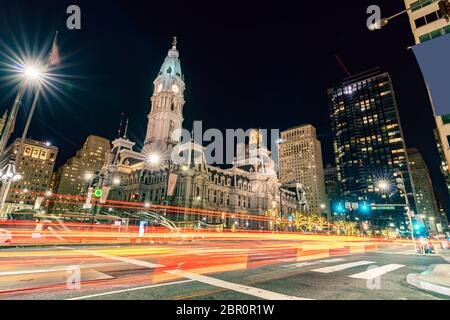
[5, 237]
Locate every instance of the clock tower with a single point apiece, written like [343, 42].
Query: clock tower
[166, 115]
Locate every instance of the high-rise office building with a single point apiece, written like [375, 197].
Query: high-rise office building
[427, 23]
[331, 185]
[300, 161]
[426, 200]
[3, 122]
[442, 136]
[34, 161]
[370, 150]
[426, 20]
[70, 178]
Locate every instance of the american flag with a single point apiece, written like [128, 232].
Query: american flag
[54, 58]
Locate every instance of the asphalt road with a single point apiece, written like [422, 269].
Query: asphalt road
[212, 271]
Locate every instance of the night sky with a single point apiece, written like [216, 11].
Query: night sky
[258, 64]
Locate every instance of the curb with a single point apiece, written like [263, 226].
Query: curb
[415, 280]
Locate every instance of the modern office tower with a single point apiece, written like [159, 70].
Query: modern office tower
[3, 122]
[426, 20]
[442, 136]
[300, 161]
[426, 200]
[427, 23]
[370, 150]
[34, 161]
[331, 183]
[70, 178]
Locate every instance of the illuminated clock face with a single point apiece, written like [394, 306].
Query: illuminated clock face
[160, 87]
[175, 88]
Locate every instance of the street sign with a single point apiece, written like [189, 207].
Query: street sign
[383, 208]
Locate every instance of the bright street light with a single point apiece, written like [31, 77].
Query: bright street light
[154, 159]
[383, 185]
[32, 73]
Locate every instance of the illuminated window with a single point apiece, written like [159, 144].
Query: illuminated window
[35, 153]
[43, 155]
[27, 152]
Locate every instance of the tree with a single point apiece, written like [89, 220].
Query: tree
[321, 222]
[310, 222]
[298, 220]
[350, 228]
[272, 214]
[339, 226]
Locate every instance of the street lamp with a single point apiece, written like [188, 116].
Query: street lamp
[401, 186]
[7, 176]
[154, 159]
[384, 21]
[116, 181]
[383, 185]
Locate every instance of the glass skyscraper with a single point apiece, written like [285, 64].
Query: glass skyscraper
[370, 152]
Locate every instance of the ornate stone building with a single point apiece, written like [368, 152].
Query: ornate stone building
[180, 175]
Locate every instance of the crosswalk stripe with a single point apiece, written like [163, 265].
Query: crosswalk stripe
[376, 272]
[252, 291]
[310, 263]
[344, 266]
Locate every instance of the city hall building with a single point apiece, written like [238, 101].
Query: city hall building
[250, 187]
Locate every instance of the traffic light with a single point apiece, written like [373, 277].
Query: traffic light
[444, 8]
[364, 207]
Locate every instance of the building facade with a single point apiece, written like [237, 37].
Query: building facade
[426, 20]
[427, 23]
[300, 161]
[73, 177]
[331, 184]
[181, 177]
[34, 161]
[370, 150]
[426, 200]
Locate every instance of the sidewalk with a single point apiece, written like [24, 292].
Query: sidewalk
[436, 279]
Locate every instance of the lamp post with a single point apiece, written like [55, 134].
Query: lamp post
[401, 186]
[31, 75]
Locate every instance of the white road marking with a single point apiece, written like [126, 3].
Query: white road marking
[265, 294]
[260, 293]
[20, 272]
[129, 290]
[310, 263]
[344, 266]
[124, 259]
[377, 272]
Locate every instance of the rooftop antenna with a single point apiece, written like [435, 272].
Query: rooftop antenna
[347, 72]
[119, 131]
[126, 129]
